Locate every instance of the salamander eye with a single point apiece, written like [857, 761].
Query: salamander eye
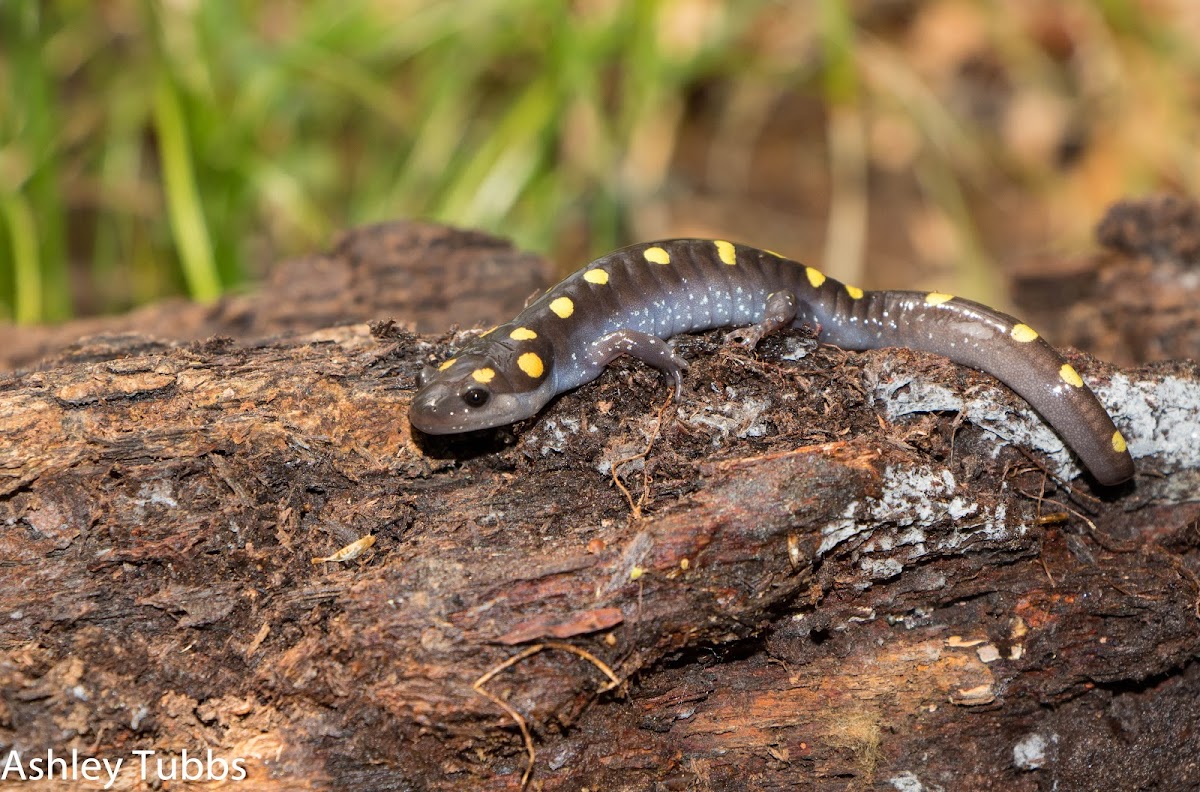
[476, 397]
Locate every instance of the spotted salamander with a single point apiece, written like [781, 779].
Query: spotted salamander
[629, 301]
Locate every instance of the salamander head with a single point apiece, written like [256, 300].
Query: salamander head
[477, 391]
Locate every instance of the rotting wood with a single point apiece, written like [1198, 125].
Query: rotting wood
[783, 608]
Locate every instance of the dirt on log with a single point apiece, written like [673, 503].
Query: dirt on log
[819, 570]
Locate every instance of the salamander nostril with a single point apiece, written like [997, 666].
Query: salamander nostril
[425, 376]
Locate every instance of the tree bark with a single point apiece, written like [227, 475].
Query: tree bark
[821, 570]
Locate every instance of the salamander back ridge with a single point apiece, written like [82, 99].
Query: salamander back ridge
[630, 301]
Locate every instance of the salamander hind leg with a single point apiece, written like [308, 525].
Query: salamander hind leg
[781, 311]
[647, 348]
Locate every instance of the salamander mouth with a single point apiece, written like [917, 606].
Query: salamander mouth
[430, 414]
[437, 411]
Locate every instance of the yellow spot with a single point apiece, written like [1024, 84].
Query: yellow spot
[483, 375]
[684, 564]
[1070, 375]
[656, 255]
[815, 277]
[563, 307]
[1118, 442]
[636, 573]
[937, 298]
[447, 364]
[597, 276]
[854, 292]
[1023, 333]
[522, 334]
[725, 252]
[531, 364]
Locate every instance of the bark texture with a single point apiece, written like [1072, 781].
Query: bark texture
[821, 570]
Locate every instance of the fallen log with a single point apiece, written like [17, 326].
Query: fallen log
[821, 568]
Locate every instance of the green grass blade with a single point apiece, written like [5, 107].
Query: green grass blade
[183, 200]
[27, 277]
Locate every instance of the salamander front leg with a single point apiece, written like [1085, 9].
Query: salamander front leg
[646, 348]
[781, 311]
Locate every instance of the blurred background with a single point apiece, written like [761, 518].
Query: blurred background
[179, 147]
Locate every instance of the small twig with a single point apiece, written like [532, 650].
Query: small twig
[1053, 518]
[1046, 569]
[613, 679]
[1134, 594]
[1065, 484]
[1093, 531]
[955, 425]
[525, 735]
[478, 687]
[633, 507]
[1040, 498]
[1128, 547]
[636, 507]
